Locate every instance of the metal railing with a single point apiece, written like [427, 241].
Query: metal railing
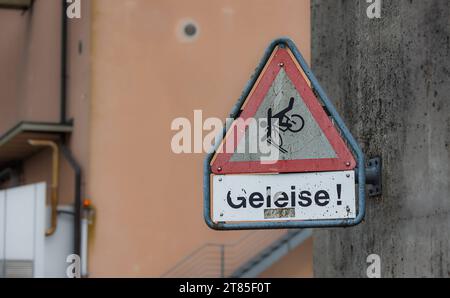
[215, 260]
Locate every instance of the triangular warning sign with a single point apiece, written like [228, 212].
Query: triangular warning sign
[289, 120]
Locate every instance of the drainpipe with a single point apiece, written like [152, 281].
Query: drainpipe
[88, 213]
[63, 90]
[65, 150]
[63, 119]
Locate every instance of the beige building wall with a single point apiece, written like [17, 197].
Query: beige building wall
[30, 78]
[145, 74]
[131, 72]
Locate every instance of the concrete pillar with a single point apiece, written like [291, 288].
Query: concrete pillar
[390, 79]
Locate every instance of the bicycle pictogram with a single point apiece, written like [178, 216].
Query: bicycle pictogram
[282, 122]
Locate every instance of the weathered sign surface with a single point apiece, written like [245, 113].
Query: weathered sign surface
[306, 196]
[296, 126]
[283, 159]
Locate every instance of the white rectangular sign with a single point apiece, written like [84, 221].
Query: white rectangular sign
[284, 197]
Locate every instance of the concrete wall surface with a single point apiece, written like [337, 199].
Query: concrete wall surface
[390, 78]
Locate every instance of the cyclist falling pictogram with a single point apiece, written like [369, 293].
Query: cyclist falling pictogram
[282, 122]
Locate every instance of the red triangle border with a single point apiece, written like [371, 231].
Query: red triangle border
[221, 164]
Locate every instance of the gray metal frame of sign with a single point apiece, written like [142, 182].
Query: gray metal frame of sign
[361, 172]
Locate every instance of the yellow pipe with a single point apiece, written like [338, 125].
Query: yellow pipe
[55, 181]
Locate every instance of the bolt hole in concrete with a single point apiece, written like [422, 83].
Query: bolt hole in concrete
[187, 30]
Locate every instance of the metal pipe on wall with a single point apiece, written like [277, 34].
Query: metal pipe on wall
[55, 182]
[78, 205]
[63, 90]
[84, 245]
[68, 155]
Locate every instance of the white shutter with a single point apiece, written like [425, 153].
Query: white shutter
[23, 237]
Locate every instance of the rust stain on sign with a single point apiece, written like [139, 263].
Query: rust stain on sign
[279, 213]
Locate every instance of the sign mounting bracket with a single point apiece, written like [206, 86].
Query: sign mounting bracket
[373, 177]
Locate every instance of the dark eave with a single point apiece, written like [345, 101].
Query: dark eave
[14, 146]
[15, 4]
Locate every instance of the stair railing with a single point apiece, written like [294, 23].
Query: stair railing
[219, 260]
